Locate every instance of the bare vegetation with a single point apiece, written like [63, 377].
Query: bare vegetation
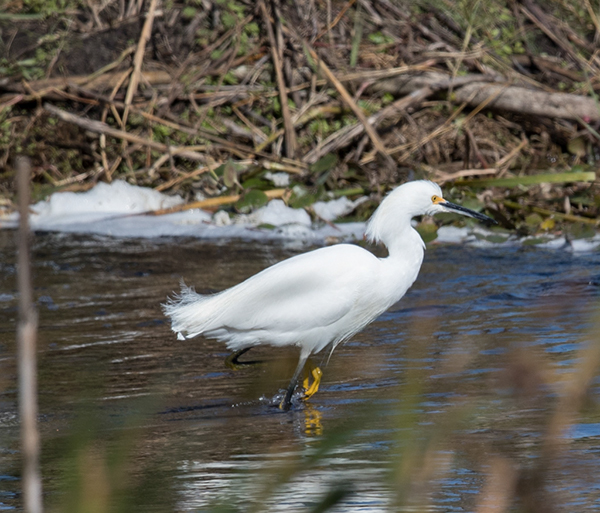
[208, 98]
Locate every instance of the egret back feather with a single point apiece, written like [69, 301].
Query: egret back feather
[310, 300]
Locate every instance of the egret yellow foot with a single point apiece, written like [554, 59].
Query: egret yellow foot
[310, 390]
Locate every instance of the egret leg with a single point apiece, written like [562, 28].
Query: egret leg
[286, 403]
[232, 360]
[316, 374]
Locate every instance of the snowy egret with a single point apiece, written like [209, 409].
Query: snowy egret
[320, 298]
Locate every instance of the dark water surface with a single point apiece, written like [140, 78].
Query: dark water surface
[447, 396]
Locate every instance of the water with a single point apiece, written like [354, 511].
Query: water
[422, 410]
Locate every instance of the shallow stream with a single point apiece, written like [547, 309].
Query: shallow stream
[420, 410]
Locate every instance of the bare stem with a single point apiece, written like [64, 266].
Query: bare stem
[26, 338]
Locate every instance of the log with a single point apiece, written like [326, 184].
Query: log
[528, 101]
[475, 89]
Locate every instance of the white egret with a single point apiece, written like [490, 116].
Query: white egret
[323, 297]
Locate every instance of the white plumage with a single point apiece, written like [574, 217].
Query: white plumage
[323, 297]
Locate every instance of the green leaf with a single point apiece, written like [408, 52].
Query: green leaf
[427, 231]
[188, 12]
[251, 200]
[534, 220]
[301, 198]
[257, 183]
[588, 176]
[581, 231]
[229, 174]
[324, 163]
[577, 147]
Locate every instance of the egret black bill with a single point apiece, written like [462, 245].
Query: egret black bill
[466, 212]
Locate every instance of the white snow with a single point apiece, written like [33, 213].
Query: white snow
[118, 197]
[334, 209]
[277, 213]
[453, 234]
[278, 179]
[585, 245]
[115, 209]
[112, 209]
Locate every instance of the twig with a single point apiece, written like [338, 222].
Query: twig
[26, 337]
[102, 128]
[346, 135]
[537, 16]
[375, 139]
[339, 16]
[276, 166]
[513, 153]
[129, 50]
[290, 133]
[109, 170]
[42, 88]
[442, 177]
[197, 172]
[169, 156]
[475, 147]
[207, 204]
[139, 59]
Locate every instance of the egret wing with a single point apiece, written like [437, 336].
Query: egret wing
[311, 290]
[314, 299]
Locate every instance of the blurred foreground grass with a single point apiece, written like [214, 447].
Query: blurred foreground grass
[512, 427]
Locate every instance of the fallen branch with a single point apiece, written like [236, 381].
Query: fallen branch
[474, 90]
[207, 204]
[290, 133]
[102, 128]
[526, 101]
[346, 135]
[138, 60]
[44, 88]
[347, 98]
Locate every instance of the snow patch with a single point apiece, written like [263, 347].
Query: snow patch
[278, 179]
[277, 213]
[334, 209]
[118, 197]
[453, 235]
[116, 210]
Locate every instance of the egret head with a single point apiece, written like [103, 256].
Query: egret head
[411, 199]
[439, 204]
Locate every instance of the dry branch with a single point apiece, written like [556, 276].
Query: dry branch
[207, 204]
[290, 133]
[346, 135]
[526, 101]
[138, 60]
[474, 90]
[102, 128]
[43, 88]
[375, 139]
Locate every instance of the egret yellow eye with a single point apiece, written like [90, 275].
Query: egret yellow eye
[436, 199]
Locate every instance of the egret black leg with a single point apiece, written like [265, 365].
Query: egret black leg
[286, 403]
[232, 360]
